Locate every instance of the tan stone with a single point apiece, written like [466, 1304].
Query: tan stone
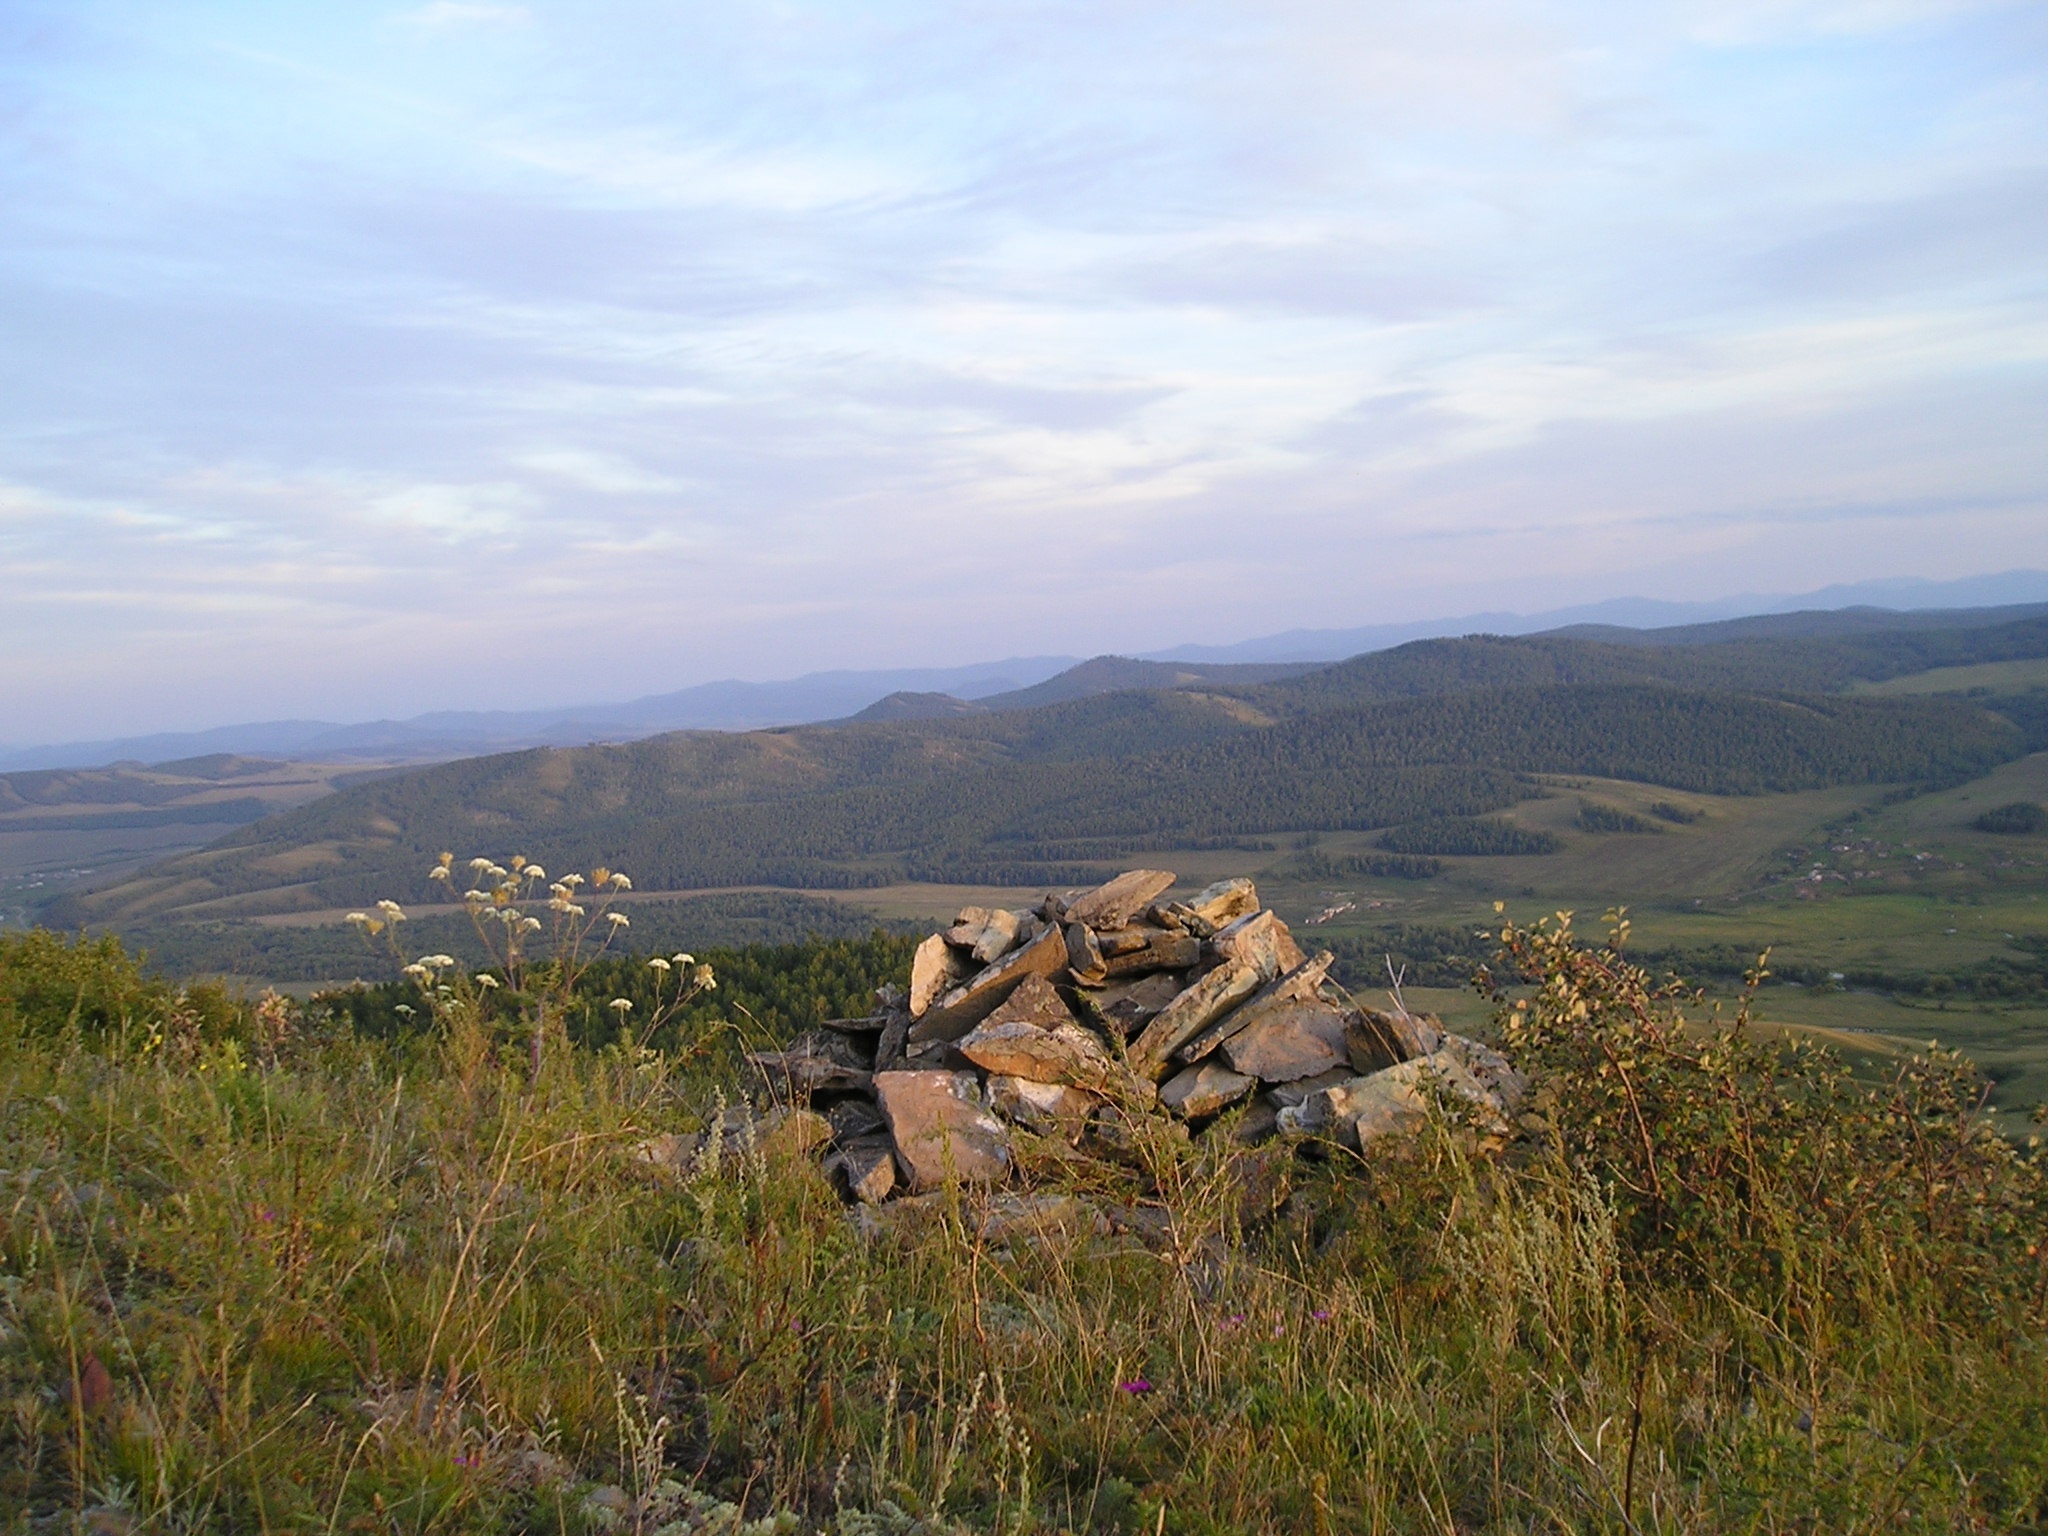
[1066, 1053]
[1035, 1001]
[1204, 1090]
[1162, 950]
[942, 1131]
[1044, 1107]
[989, 933]
[1084, 955]
[1261, 939]
[1195, 1009]
[1393, 1102]
[936, 969]
[1115, 903]
[1405, 1034]
[967, 1005]
[1294, 1040]
[1215, 908]
[1298, 985]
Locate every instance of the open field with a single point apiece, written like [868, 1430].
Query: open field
[1997, 676]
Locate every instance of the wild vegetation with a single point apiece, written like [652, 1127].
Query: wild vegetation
[265, 1267]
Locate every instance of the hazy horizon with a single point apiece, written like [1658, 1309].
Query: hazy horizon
[382, 358]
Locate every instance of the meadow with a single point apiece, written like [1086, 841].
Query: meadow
[278, 1267]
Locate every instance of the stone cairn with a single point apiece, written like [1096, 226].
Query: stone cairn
[1066, 1018]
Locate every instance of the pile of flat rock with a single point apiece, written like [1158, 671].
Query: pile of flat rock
[1072, 1017]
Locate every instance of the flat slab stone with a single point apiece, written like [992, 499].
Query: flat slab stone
[1066, 1053]
[1204, 1089]
[967, 1005]
[1115, 903]
[815, 1062]
[942, 1131]
[1217, 907]
[1295, 1040]
[1035, 1001]
[989, 933]
[1043, 1107]
[1162, 950]
[1196, 1007]
[1299, 985]
[1262, 940]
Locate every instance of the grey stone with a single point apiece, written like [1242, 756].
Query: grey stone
[1204, 1089]
[1294, 1040]
[1129, 1006]
[1116, 902]
[851, 1119]
[1197, 1006]
[868, 1165]
[1043, 1107]
[815, 1061]
[942, 1131]
[1161, 949]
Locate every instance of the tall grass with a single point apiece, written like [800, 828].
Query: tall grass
[255, 1278]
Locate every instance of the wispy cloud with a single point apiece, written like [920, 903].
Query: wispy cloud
[734, 338]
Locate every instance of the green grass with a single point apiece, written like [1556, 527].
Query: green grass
[254, 1277]
[1996, 676]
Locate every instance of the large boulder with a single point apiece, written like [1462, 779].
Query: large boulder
[1292, 1041]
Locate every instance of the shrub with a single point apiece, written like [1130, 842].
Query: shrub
[2021, 818]
[1595, 817]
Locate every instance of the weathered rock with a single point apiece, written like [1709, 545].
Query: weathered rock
[1259, 1123]
[1037, 1218]
[1115, 903]
[792, 1131]
[868, 1165]
[1194, 1010]
[1204, 1089]
[1394, 1102]
[1042, 1107]
[815, 1061]
[1300, 1091]
[1294, 1040]
[1162, 950]
[890, 1043]
[1084, 955]
[989, 933]
[1215, 908]
[966, 1006]
[935, 969]
[1262, 940]
[1506, 1087]
[1066, 1053]
[869, 1024]
[851, 1119]
[1298, 985]
[1129, 1006]
[1374, 1043]
[1035, 1001]
[941, 1129]
[1408, 1034]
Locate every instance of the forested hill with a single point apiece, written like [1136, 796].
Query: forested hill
[1751, 664]
[1015, 798]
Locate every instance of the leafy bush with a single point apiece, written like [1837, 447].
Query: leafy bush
[50, 986]
[1678, 815]
[2021, 818]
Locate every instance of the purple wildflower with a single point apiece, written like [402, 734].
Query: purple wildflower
[1140, 1384]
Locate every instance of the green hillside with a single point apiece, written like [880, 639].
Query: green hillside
[842, 809]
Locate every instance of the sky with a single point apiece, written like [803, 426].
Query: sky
[361, 359]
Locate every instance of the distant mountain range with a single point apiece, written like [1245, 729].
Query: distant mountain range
[1023, 682]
